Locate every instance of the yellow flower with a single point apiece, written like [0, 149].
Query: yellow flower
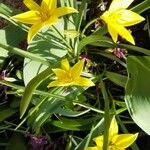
[68, 76]
[39, 16]
[118, 17]
[116, 141]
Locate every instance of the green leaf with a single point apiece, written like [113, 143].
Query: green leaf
[73, 124]
[4, 9]
[30, 88]
[94, 133]
[96, 40]
[137, 95]
[135, 48]
[116, 78]
[143, 6]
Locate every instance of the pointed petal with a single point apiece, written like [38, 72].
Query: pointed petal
[113, 33]
[29, 17]
[61, 74]
[32, 5]
[128, 18]
[61, 11]
[49, 4]
[34, 30]
[65, 65]
[77, 69]
[113, 127]
[122, 31]
[124, 140]
[93, 148]
[52, 20]
[117, 4]
[81, 81]
[58, 83]
[99, 141]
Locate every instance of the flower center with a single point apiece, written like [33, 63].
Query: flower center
[45, 15]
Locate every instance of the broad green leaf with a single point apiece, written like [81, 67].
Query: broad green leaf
[116, 78]
[7, 35]
[137, 95]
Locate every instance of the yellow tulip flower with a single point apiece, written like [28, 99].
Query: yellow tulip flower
[68, 76]
[39, 16]
[116, 141]
[118, 17]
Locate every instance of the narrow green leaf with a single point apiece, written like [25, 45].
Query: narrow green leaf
[95, 40]
[135, 48]
[116, 78]
[143, 6]
[30, 88]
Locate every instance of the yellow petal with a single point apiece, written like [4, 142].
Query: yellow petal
[77, 69]
[124, 140]
[128, 18]
[52, 20]
[117, 4]
[61, 11]
[34, 30]
[32, 5]
[81, 81]
[49, 4]
[29, 17]
[58, 83]
[65, 65]
[61, 74]
[99, 141]
[113, 127]
[93, 148]
[122, 31]
[113, 33]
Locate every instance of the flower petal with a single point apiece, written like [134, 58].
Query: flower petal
[128, 18]
[124, 140]
[58, 83]
[93, 148]
[61, 74]
[49, 4]
[122, 31]
[113, 129]
[61, 11]
[65, 65]
[34, 30]
[77, 69]
[52, 20]
[99, 141]
[32, 5]
[81, 81]
[117, 4]
[113, 33]
[29, 17]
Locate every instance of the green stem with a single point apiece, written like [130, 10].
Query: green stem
[87, 26]
[106, 117]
